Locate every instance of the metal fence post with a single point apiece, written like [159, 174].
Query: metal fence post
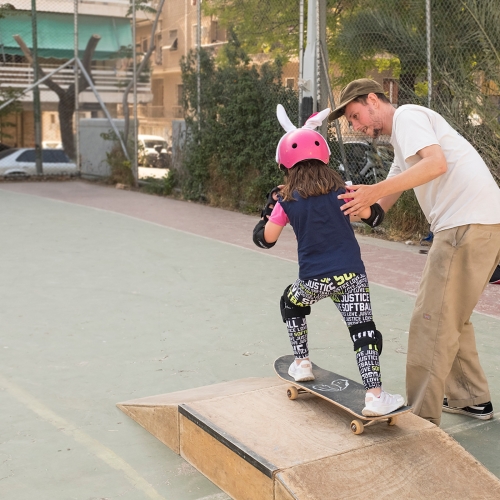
[77, 100]
[36, 93]
[429, 64]
[198, 60]
[135, 168]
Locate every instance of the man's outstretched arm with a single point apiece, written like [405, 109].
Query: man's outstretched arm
[432, 165]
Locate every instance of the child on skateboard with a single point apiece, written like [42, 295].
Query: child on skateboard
[330, 262]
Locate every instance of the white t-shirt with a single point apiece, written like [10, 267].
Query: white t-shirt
[467, 192]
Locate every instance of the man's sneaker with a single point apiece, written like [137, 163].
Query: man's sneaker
[484, 411]
[382, 405]
[302, 372]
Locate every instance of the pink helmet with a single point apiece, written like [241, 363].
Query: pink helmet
[301, 144]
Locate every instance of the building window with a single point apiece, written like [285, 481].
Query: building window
[195, 35]
[180, 93]
[214, 31]
[290, 83]
[157, 88]
[172, 40]
[144, 45]
[158, 49]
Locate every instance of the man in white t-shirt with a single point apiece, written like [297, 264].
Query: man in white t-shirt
[461, 201]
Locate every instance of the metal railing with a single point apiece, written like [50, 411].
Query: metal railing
[21, 76]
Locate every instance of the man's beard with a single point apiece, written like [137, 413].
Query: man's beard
[376, 129]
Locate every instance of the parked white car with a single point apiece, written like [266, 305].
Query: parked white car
[22, 162]
[151, 149]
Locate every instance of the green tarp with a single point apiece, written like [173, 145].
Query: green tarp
[56, 34]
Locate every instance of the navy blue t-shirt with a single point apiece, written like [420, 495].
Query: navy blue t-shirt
[326, 242]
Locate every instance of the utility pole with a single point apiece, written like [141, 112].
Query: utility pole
[428, 24]
[77, 100]
[135, 167]
[36, 93]
[312, 81]
[198, 60]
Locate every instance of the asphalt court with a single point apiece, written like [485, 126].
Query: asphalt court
[100, 306]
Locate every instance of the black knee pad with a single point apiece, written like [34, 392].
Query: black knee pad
[291, 310]
[366, 334]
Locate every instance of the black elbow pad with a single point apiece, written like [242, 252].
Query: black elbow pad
[376, 217]
[258, 235]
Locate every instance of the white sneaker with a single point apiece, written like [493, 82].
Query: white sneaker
[302, 372]
[382, 405]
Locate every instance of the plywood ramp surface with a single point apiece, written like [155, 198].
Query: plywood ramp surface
[289, 433]
[255, 444]
[159, 414]
[428, 465]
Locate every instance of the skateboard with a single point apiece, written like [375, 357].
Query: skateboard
[337, 389]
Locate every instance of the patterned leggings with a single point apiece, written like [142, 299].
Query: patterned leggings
[351, 294]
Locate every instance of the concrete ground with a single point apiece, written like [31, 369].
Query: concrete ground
[110, 295]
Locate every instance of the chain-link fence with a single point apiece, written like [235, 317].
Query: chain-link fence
[441, 54]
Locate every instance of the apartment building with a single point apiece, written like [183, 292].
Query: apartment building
[111, 65]
[175, 36]
[159, 89]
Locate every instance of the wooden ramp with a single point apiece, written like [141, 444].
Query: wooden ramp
[248, 438]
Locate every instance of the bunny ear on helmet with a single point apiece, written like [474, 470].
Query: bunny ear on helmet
[316, 120]
[283, 119]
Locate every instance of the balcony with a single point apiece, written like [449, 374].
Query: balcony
[150, 111]
[109, 83]
[147, 113]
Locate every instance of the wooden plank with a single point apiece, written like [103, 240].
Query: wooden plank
[159, 414]
[288, 433]
[207, 392]
[282, 490]
[229, 441]
[229, 471]
[161, 421]
[429, 464]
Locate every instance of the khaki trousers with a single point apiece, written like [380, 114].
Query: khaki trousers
[442, 355]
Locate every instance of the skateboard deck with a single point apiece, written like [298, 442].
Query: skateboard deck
[337, 389]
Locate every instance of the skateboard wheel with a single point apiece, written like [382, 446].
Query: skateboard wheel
[357, 427]
[392, 420]
[292, 392]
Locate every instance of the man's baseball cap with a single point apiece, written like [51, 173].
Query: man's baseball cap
[356, 88]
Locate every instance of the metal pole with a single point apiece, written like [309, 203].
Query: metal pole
[301, 53]
[135, 167]
[309, 71]
[36, 93]
[198, 59]
[429, 65]
[337, 125]
[77, 91]
[318, 60]
[103, 107]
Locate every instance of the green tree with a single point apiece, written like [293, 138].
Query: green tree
[6, 94]
[465, 41]
[270, 27]
[232, 143]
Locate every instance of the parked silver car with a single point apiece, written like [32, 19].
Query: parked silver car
[22, 162]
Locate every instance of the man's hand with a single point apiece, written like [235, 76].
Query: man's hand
[361, 196]
[431, 165]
